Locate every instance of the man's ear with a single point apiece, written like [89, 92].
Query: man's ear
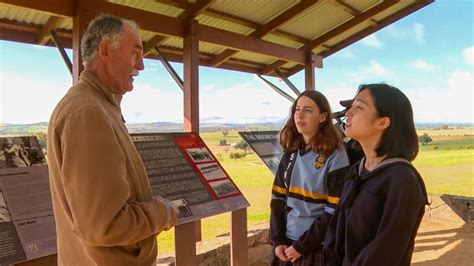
[103, 50]
[383, 122]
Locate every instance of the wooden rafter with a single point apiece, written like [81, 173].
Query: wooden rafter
[50, 25]
[222, 57]
[183, 4]
[165, 25]
[366, 32]
[351, 10]
[270, 26]
[6, 24]
[251, 24]
[195, 9]
[62, 8]
[248, 43]
[283, 17]
[349, 24]
[190, 12]
[231, 18]
[149, 46]
[381, 24]
[271, 67]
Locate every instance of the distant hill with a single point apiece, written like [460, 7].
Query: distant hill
[24, 129]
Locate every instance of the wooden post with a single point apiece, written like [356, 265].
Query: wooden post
[79, 25]
[185, 244]
[309, 70]
[187, 234]
[238, 238]
[191, 77]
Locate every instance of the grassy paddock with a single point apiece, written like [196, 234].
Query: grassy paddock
[448, 169]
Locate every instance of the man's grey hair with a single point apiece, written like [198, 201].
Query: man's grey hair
[103, 27]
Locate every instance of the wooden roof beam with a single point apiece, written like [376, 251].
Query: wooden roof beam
[351, 10]
[189, 12]
[195, 9]
[251, 24]
[271, 67]
[183, 4]
[50, 25]
[222, 57]
[150, 45]
[19, 26]
[283, 17]
[176, 55]
[165, 25]
[381, 24]
[366, 32]
[268, 27]
[251, 44]
[28, 37]
[61, 8]
[349, 24]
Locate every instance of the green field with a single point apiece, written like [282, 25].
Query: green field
[446, 164]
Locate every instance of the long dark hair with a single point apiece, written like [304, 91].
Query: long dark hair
[400, 138]
[326, 140]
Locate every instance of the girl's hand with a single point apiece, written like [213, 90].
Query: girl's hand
[280, 252]
[292, 254]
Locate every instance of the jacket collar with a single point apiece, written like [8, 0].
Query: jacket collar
[357, 168]
[93, 82]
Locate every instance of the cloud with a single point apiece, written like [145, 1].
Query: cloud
[373, 71]
[345, 54]
[372, 41]
[469, 55]
[424, 66]
[451, 101]
[419, 33]
[415, 32]
[396, 32]
[29, 99]
[148, 103]
[244, 103]
[339, 92]
[241, 103]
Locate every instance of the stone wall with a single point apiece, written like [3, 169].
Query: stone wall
[216, 251]
[452, 207]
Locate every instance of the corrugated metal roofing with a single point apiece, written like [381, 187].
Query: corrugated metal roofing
[259, 11]
[224, 25]
[237, 16]
[315, 20]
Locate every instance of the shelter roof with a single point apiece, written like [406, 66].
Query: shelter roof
[256, 36]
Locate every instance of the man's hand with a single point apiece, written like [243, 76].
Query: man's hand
[280, 252]
[174, 213]
[292, 254]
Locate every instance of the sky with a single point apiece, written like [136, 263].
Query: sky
[429, 55]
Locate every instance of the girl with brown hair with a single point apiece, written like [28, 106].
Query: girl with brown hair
[308, 182]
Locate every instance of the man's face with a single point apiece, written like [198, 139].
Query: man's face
[125, 61]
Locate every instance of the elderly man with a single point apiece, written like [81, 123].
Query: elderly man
[103, 205]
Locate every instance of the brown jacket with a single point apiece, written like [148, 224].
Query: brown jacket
[102, 200]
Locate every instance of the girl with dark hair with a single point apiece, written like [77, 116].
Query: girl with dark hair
[383, 200]
[308, 182]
